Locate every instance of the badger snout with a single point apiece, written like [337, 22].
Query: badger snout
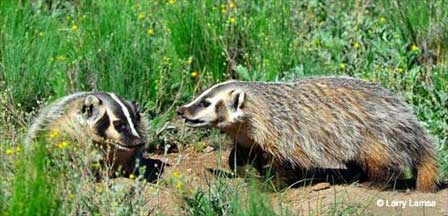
[131, 142]
[190, 119]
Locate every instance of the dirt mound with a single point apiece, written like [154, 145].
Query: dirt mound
[194, 170]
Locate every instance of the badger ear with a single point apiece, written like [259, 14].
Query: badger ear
[90, 108]
[238, 98]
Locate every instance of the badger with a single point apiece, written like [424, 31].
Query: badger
[320, 122]
[114, 125]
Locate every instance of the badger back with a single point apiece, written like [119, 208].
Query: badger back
[328, 121]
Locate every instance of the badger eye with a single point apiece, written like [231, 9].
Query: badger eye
[204, 103]
[119, 125]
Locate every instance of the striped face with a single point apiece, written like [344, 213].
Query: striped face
[219, 106]
[114, 120]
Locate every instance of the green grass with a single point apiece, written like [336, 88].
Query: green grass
[35, 185]
[224, 199]
[161, 53]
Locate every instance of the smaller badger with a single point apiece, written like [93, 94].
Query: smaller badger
[326, 122]
[114, 125]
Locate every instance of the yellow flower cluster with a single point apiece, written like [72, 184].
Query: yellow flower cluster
[74, 28]
[232, 20]
[176, 174]
[11, 151]
[54, 134]
[141, 16]
[189, 60]
[132, 176]
[150, 32]
[179, 185]
[178, 179]
[62, 145]
[230, 5]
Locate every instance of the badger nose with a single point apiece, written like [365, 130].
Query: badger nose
[180, 110]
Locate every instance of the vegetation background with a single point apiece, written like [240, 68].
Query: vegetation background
[161, 53]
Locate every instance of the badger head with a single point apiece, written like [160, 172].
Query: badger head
[220, 106]
[114, 121]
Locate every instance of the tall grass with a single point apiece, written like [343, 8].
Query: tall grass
[35, 186]
[221, 198]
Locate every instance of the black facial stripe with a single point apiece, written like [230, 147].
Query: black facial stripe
[102, 125]
[220, 110]
[132, 110]
[118, 110]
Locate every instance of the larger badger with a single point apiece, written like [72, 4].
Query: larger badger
[114, 125]
[326, 122]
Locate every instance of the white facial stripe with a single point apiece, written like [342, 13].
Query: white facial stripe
[126, 113]
[206, 92]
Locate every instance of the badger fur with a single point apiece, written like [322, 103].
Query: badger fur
[115, 126]
[326, 122]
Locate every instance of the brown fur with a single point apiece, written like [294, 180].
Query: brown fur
[66, 118]
[326, 122]
[426, 171]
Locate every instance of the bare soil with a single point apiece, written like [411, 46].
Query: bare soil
[192, 169]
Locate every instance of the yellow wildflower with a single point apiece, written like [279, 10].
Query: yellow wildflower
[132, 176]
[232, 20]
[60, 58]
[179, 185]
[99, 189]
[71, 196]
[172, 1]
[141, 16]
[231, 5]
[223, 9]
[74, 28]
[414, 47]
[176, 174]
[342, 66]
[18, 149]
[54, 134]
[400, 70]
[150, 31]
[194, 74]
[63, 145]
[356, 45]
[382, 19]
[10, 151]
[189, 60]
